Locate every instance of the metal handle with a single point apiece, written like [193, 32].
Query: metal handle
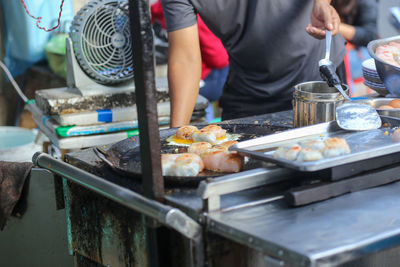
[328, 40]
[167, 215]
[340, 89]
[212, 192]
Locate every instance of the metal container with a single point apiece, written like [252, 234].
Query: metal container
[315, 102]
[389, 74]
[380, 101]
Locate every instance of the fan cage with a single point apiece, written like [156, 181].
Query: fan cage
[102, 41]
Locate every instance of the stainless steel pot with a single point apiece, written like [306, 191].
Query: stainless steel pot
[315, 102]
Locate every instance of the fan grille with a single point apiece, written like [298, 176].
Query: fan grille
[102, 41]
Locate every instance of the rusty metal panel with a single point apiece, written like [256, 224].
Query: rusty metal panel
[107, 233]
[104, 231]
[223, 252]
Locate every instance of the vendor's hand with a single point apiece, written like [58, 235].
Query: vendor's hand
[323, 16]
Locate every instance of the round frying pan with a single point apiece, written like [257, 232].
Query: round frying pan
[124, 156]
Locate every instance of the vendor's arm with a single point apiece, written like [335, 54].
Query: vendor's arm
[184, 71]
[323, 17]
[347, 31]
[364, 28]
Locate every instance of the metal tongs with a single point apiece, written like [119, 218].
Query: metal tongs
[350, 115]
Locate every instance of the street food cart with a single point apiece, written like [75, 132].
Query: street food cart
[242, 219]
[266, 215]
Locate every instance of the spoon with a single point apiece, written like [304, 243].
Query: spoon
[349, 116]
[326, 61]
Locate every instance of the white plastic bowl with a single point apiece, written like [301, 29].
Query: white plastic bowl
[17, 144]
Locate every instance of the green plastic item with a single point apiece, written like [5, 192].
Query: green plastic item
[30, 101]
[216, 120]
[63, 130]
[133, 133]
[55, 51]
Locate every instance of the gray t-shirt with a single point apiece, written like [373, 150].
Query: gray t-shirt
[269, 49]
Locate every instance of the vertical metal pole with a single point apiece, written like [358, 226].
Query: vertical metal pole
[146, 102]
[146, 99]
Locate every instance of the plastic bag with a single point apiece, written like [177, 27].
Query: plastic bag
[24, 42]
[55, 51]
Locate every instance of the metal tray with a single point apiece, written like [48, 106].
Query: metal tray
[377, 102]
[363, 145]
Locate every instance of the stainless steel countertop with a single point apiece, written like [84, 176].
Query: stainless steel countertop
[326, 233]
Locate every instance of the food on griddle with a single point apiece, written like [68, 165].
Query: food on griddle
[212, 134]
[167, 160]
[199, 147]
[309, 154]
[396, 135]
[313, 150]
[186, 132]
[289, 152]
[385, 107]
[186, 164]
[226, 145]
[222, 160]
[219, 159]
[202, 155]
[335, 146]
[395, 103]
[389, 53]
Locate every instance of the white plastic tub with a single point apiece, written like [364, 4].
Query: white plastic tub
[17, 144]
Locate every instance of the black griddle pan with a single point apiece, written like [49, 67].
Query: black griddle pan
[124, 156]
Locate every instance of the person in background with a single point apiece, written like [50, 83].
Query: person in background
[22, 44]
[270, 48]
[214, 60]
[214, 66]
[358, 26]
[358, 20]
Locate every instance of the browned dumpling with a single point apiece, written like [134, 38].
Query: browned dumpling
[335, 146]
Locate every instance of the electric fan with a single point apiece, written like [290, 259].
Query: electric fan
[99, 49]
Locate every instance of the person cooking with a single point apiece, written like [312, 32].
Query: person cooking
[269, 45]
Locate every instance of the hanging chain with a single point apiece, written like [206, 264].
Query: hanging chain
[39, 19]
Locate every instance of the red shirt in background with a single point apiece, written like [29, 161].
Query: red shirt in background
[213, 53]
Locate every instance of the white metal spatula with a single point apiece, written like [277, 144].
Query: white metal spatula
[349, 116]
